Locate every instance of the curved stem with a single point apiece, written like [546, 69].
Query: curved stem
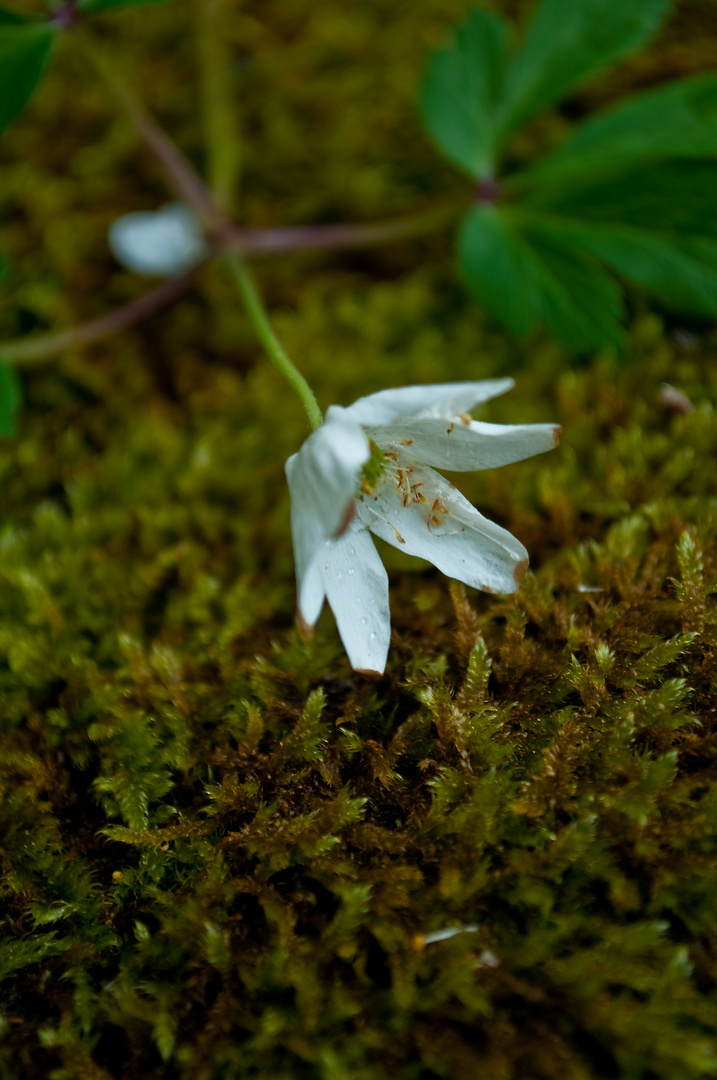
[41, 346]
[259, 319]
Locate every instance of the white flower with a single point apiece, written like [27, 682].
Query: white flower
[369, 467]
[158, 243]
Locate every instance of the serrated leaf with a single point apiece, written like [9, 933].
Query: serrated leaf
[24, 53]
[568, 41]
[497, 265]
[460, 91]
[672, 121]
[582, 305]
[523, 279]
[681, 273]
[671, 198]
[107, 5]
[10, 400]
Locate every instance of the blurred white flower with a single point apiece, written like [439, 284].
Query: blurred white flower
[159, 243]
[369, 467]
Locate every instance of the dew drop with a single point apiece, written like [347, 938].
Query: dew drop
[352, 550]
[372, 636]
[351, 570]
[364, 620]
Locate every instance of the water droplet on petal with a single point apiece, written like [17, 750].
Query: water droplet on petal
[364, 620]
[353, 550]
[351, 570]
[371, 636]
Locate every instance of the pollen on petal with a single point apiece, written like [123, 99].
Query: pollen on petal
[367, 671]
[305, 629]
[520, 570]
[557, 432]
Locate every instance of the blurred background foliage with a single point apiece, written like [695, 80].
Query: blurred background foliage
[223, 853]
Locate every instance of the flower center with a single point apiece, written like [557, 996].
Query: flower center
[372, 471]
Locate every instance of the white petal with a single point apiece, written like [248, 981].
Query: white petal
[323, 478]
[445, 529]
[356, 585]
[309, 593]
[324, 475]
[441, 399]
[453, 444]
[161, 243]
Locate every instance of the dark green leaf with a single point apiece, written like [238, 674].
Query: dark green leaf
[673, 198]
[677, 120]
[8, 17]
[460, 92]
[106, 5]
[581, 304]
[498, 267]
[523, 279]
[24, 52]
[682, 273]
[569, 40]
[10, 400]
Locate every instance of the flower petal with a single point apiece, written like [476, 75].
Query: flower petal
[430, 518]
[309, 593]
[159, 243]
[441, 399]
[322, 478]
[356, 586]
[453, 444]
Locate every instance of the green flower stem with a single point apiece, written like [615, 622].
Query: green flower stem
[259, 319]
[220, 114]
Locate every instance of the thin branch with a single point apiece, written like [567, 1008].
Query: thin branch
[181, 174]
[241, 241]
[248, 241]
[31, 349]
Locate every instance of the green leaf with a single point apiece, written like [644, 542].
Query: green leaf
[498, 267]
[10, 400]
[24, 52]
[582, 304]
[681, 273]
[525, 277]
[677, 120]
[106, 5]
[8, 17]
[459, 94]
[569, 40]
[673, 198]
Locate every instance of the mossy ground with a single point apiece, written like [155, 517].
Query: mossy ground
[223, 852]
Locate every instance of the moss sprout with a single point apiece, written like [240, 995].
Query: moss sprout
[226, 855]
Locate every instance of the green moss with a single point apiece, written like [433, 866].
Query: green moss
[226, 855]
